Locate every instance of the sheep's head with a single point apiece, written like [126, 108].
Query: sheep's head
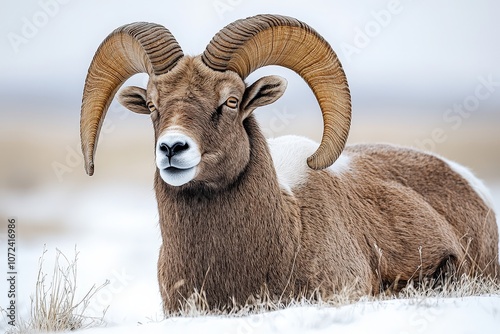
[198, 104]
[198, 116]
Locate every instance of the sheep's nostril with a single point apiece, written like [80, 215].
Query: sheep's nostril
[179, 147]
[165, 148]
[176, 148]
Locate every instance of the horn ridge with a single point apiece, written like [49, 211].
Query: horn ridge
[138, 47]
[248, 44]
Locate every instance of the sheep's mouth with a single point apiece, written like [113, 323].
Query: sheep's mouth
[176, 170]
[173, 169]
[176, 176]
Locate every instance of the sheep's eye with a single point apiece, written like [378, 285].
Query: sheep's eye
[232, 102]
[151, 106]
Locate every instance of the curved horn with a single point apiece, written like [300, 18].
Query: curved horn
[133, 48]
[245, 45]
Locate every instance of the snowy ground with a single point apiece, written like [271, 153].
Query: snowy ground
[119, 241]
[466, 315]
[111, 218]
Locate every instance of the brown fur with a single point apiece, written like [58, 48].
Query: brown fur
[396, 215]
[405, 214]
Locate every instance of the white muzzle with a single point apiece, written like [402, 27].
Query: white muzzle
[177, 157]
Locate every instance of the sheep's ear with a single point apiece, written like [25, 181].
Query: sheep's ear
[264, 91]
[134, 99]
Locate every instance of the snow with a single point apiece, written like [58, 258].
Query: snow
[119, 243]
[453, 315]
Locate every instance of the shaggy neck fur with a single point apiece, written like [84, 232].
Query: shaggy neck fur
[229, 243]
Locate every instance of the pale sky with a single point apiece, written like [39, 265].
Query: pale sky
[392, 51]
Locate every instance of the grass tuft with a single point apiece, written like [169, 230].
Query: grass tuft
[54, 307]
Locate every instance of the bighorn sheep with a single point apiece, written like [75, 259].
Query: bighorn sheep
[238, 212]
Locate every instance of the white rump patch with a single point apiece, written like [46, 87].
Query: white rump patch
[473, 181]
[290, 155]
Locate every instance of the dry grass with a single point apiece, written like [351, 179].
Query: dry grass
[450, 287]
[54, 307]
[447, 284]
